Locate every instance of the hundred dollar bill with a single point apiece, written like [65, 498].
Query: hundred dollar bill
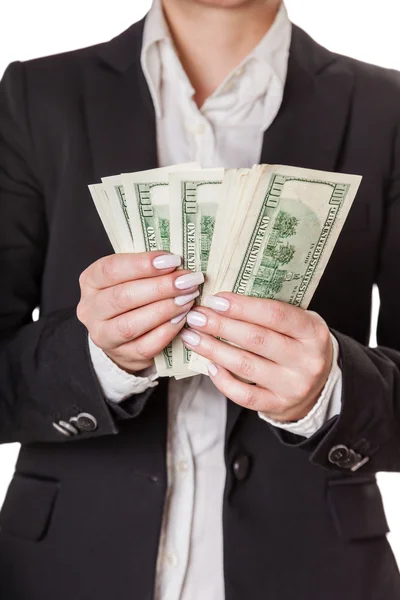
[236, 193]
[229, 197]
[104, 209]
[194, 200]
[146, 197]
[116, 195]
[288, 235]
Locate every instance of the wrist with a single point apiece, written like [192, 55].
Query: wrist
[297, 413]
[132, 368]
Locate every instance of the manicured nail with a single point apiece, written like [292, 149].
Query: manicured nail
[197, 319]
[167, 261]
[212, 369]
[182, 300]
[179, 318]
[190, 337]
[189, 280]
[216, 303]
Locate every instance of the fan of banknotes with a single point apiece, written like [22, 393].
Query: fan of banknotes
[267, 231]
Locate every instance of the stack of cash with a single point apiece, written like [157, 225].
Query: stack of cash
[266, 232]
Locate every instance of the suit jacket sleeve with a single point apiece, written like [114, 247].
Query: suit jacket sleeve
[369, 422]
[46, 373]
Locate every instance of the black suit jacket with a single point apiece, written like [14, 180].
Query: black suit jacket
[83, 514]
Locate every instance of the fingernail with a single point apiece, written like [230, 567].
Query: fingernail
[212, 369]
[167, 261]
[216, 303]
[197, 319]
[189, 280]
[182, 300]
[179, 318]
[190, 337]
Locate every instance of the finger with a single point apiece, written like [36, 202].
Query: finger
[150, 344]
[246, 395]
[241, 362]
[119, 268]
[133, 324]
[119, 299]
[251, 396]
[272, 314]
[259, 340]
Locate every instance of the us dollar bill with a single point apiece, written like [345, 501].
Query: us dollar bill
[194, 201]
[115, 192]
[236, 193]
[289, 231]
[148, 214]
[106, 214]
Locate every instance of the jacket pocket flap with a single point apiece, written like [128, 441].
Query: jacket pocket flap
[28, 506]
[357, 508]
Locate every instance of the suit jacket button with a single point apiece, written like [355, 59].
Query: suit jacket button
[65, 428]
[339, 455]
[84, 422]
[241, 467]
[346, 458]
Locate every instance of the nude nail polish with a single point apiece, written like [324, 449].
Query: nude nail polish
[182, 300]
[190, 337]
[178, 318]
[196, 319]
[216, 303]
[167, 261]
[189, 280]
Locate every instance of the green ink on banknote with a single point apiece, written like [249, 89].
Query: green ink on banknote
[286, 244]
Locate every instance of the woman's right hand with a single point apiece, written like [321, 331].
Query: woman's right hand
[133, 305]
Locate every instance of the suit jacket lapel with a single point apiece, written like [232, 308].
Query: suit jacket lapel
[119, 110]
[310, 128]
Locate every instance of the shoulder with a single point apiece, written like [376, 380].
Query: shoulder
[63, 73]
[47, 96]
[376, 100]
[63, 62]
[319, 59]
[375, 88]
[383, 80]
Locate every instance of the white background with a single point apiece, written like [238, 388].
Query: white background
[364, 29]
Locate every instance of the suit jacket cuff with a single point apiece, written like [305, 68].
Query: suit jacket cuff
[368, 423]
